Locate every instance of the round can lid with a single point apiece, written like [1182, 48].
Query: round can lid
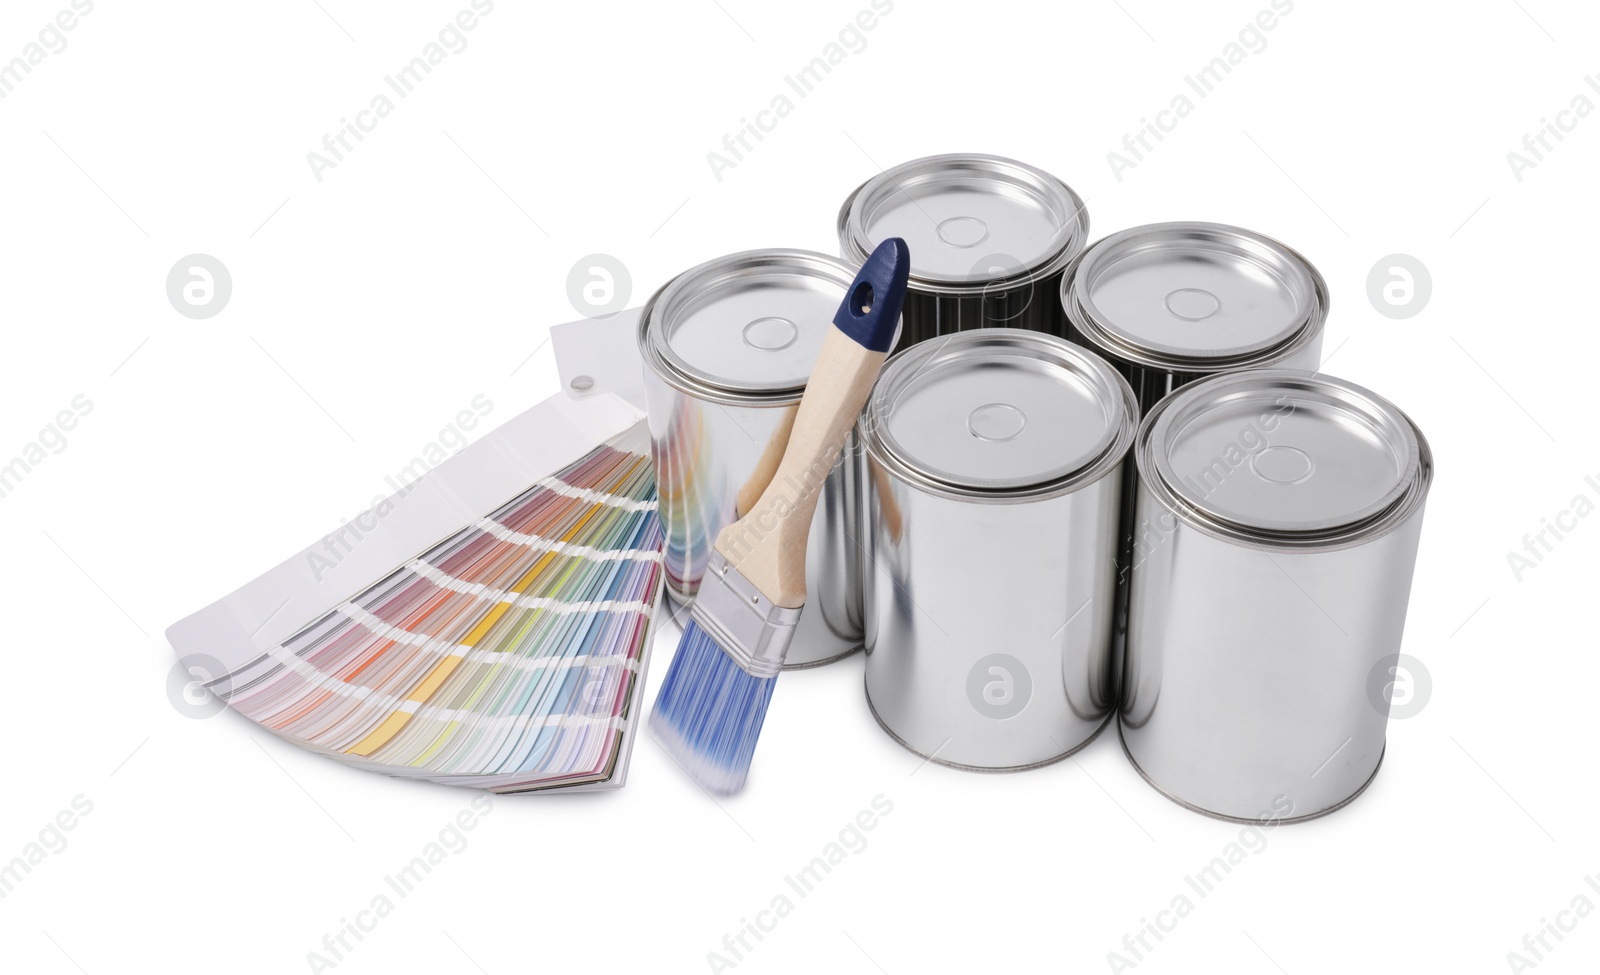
[999, 409]
[1195, 290]
[750, 322]
[1283, 452]
[969, 219]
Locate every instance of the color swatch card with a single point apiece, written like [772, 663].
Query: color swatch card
[506, 655]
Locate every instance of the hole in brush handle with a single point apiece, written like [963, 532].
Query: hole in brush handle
[861, 299]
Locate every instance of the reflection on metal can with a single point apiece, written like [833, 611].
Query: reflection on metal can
[728, 347]
[1276, 533]
[992, 477]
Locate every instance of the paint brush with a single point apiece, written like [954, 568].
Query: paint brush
[714, 699]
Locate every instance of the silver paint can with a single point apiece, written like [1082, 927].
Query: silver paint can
[989, 239]
[992, 474]
[728, 347]
[1169, 303]
[1277, 526]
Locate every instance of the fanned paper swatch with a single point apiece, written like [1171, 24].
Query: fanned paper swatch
[505, 656]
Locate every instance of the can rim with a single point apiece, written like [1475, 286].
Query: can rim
[681, 288]
[904, 366]
[855, 244]
[1114, 342]
[1377, 518]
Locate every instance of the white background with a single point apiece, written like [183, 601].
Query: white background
[371, 306]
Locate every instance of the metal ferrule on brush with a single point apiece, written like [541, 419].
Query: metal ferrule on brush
[753, 632]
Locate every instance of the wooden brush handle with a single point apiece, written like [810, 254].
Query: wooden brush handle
[767, 466]
[768, 545]
[888, 507]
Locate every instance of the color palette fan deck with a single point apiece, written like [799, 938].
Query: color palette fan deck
[506, 656]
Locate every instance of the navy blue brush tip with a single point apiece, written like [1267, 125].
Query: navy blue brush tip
[871, 311]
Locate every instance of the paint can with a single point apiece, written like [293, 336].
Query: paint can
[991, 474]
[1277, 525]
[728, 347]
[989, 239]
[1169, 303]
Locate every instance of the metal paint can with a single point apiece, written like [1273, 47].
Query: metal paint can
[992, 475]
[989, 239]
[1278, 520]
[728, 347]
[1169, 303]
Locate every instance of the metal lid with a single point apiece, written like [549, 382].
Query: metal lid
[999, 410]
[751, 322]
[1283, 453]
[1186, 293]
[969, 220]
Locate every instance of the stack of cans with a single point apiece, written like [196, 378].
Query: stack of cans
[1092, 482]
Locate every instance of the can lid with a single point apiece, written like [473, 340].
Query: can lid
[1283, 453]
[1193, 291]
[751, 322]
[999, 409]
[969, 219]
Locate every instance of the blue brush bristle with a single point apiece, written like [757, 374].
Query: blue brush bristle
[709, 713]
